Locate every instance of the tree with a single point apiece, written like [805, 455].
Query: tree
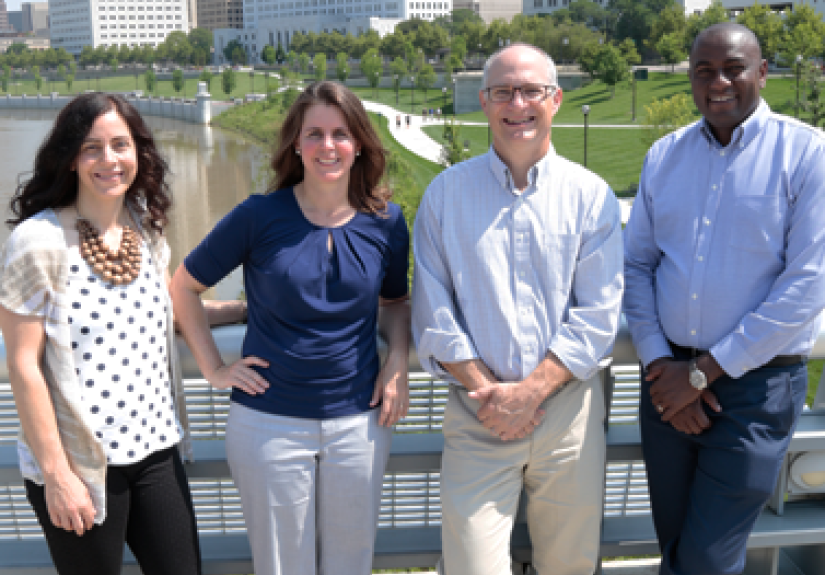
[178, 48]
[611, 67]
[303, 62]
[814, 102]
[587, 60]
[715, 14]
[628, 49]
[280, 56]
[268, 55]
[206, 76]
[113, 64]
[177, 80]
[69, 81]
[228, 81]
[371, 67]
[150, 80]
[229, 50]
[342, 68]
[61, 70]
[4, 83]
[766, 24]
[73, 68]
[804, 31]
[319, 63]
[38, 81]
[458, 48]
[201, 41]
[671, 19]
[672, 49]
[453, 151]
[425, 78]
[664, 116]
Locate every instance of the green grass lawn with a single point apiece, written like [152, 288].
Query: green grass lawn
[779, 93]
[616, 154]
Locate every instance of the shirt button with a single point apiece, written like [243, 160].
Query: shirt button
[701, 259]
[695, 296]
[707, 222]
[722, 153]
[693, 332]
[713, 187]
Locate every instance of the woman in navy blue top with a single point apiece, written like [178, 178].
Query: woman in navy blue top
[325, 259]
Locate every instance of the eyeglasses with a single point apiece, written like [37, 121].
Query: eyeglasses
[529, 92]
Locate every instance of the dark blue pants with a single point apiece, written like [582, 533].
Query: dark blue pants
[707, 490]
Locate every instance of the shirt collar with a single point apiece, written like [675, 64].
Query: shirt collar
[745, 132]
[536, 173]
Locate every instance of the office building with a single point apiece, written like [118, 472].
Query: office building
[489, 10]
[16, 20]
[216, 14]
[35, 16]
[78, 23]
[4, 18]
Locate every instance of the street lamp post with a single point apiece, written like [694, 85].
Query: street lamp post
[397, 86]
[586, 112]
[633, 85]
[412, 94]
[444, 93]
[798, 74]
[564, 41]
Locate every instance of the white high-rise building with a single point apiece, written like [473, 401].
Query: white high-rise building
[276, 21]
[78, 23]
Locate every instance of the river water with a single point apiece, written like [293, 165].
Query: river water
[212, 171]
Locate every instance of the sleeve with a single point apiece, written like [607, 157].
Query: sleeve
[642, 259]
[439, 330]
[797, 295]
[589, 330]
[226, 247]
[395, 283]
[25, 284]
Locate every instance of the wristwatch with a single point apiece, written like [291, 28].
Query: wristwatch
[697, 377]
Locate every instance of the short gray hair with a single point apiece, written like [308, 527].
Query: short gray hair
[551, 66]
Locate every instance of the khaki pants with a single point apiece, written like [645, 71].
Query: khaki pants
[561, 468]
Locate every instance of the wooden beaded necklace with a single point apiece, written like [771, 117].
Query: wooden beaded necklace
[118, 267]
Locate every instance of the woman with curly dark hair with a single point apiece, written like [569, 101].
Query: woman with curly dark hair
[325, 258]
[87, 323]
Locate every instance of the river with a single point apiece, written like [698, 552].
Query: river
[212, 171]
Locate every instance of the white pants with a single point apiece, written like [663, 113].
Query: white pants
[560, 466]
[310, 489]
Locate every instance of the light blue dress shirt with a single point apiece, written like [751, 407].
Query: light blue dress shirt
[725, 246]
[504, 276]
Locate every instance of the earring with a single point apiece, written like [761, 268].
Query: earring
[297, 152]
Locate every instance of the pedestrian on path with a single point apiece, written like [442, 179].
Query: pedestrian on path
[408, 121]
[398, 121]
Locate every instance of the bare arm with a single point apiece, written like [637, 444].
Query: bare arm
[67, 498]
[193, 321]
[392, 386]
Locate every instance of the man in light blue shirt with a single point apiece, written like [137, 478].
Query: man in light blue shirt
[725, 249]
[516, 299]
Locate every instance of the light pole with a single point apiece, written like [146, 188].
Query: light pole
[633, 85]
[444, 93]
[412, 94]
[586, 112]
[798, 74]
[397, 86]
[564, 41]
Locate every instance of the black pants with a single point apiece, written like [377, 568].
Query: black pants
[148, 506]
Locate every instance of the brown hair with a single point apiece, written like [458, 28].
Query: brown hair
[53, 183]
[366, 191]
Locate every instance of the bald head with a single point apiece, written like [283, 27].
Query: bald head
[520, 47]
[729, 33]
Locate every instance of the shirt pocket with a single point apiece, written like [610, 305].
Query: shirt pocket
[562, 252]
[759, 224]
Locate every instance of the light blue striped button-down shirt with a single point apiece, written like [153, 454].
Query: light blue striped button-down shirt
[725, 246]
[503, 276]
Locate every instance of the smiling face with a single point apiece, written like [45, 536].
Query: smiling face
[726, 75]
[520, 127]
[107, 162]
[326, 144]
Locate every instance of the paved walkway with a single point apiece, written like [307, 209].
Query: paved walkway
[414, 139]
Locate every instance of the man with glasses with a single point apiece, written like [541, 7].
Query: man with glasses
[725, 285]
[516, 297]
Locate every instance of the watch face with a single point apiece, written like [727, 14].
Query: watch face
[697, 378]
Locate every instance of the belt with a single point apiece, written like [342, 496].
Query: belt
[778, 361]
